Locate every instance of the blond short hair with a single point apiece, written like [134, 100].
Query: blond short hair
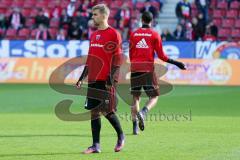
[103, 9]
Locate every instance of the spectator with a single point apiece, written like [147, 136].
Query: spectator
[166, 35]
[160, 4]
[16, 19]
[81, 20]
[74, 31]
[3, 21]
[198, 30]
[202, 6]
[179, 33]
[91, 28]
[183, 10]
[41, 19]
[150, 8]
[43, 33]
[122, 18]
[64, 19]
[71, 8]
[209, 37]
[56, 12]
[85, 9]
[188, 31]
[61, 35]
[213, 29]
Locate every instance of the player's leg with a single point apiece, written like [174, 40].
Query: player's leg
[93, 104]
[109, 109]
[134, 110]
[136, 81]
[96, 128]
[113, 119]
[152, 90]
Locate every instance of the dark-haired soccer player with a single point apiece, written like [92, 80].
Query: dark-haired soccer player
[102, 68]
[144, 42]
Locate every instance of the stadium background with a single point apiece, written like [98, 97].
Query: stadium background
[207, 93]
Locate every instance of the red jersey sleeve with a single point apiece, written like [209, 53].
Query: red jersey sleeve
[159, 49]
[117, 55]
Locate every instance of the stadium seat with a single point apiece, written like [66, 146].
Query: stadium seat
[224, 33]
[222, 5]
[42, 4]
[54, 24]
[34, 13]
[139, 5]
[33, 34]
[3, 10]
[217, 21]
[235, 5]
[235, 33]
[5, 3]
[11, 34]
[53, 32]
[228, 23]
[29, 4]
[217, 13]
[232, 13]
[26, 12]
[30, 22]
[23, 33]
[237, 23]
[17, 3]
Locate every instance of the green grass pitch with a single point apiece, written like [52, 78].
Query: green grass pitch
[208, 129]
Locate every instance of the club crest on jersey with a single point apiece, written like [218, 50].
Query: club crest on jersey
[98, 37]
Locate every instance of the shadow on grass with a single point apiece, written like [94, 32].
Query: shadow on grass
[36, 154]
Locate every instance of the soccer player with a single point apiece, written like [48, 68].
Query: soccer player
[102, 68]
[144, 42]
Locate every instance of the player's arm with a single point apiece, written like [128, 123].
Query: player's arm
[163, 56]
[116, 62]
[82, 77]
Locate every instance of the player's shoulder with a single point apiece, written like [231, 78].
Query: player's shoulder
[113, 31]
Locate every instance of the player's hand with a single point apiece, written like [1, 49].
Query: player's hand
[180, 65]
[108, 87]
[79, 84]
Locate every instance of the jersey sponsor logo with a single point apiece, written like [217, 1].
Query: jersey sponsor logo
[142, 44]
[143, 34]
[96, 45]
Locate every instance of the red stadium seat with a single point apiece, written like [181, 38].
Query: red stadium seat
[228, 23]
[53, 32]
[11, 34]
[29, 4]
[3, 10]
[217, 21]
[237, 23]
[232, 13]
[17, 3]
[34, 13]
[224, 33]
[30, 22]
[42, 4]
[235, 5]
[217, 13]
[5, 3]
[236, 33]
[222, 5]
[33, 34]
[54, 24]
[139, 5]
[26, 12]
[24, 34]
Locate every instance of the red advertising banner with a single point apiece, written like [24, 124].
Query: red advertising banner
[199, 71]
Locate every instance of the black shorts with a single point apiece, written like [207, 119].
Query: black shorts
[145, 80]
[101, 99]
